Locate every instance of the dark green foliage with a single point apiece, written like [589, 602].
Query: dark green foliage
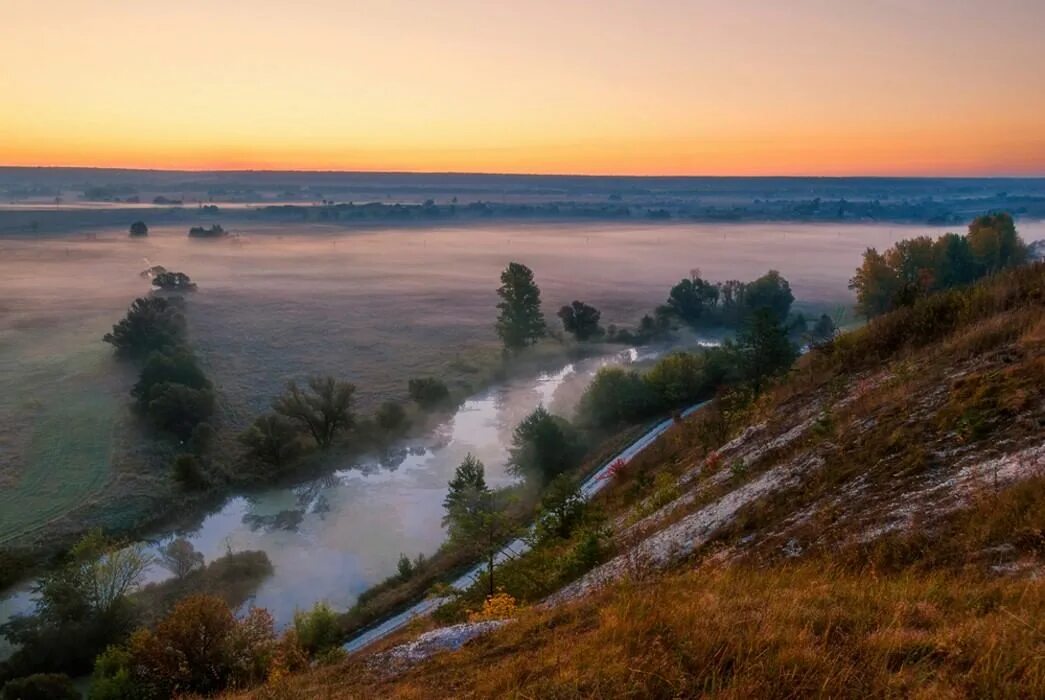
[272, 439]
[390, 417]
[770, 291]
[680, 378]
[823, 331]
[616, 396]
[764, 348]
[561, 509]
[178, 409]
[543, 446]
[173, 282]
[215, 231]
[138, 228]
[318, 630]
[189, 472]
[173, 365]
[151, 324]
[324, 410]
[81, 607]
[581, 320]
[41, 686]
[519, 320]
[428, 392]
[474, 514]
[693, 299]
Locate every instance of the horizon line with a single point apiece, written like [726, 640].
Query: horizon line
[317, 171]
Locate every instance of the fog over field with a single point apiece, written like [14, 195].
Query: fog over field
[374, 307]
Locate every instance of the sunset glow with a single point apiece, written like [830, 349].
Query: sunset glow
[905, 87]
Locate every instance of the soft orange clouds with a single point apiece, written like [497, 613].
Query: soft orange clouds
[901, 87]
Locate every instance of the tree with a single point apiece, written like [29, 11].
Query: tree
[954, 262]
[324, 411]
[616, 396]
[138, 228]
[178, 408]
[172, 365]
[519, 321]
[823, 331]
[152, 323]
[561, 509]
[764, 348]
[428, 392]
[271, 439]
[581, 320]
[81, 607]
[318, 630]
[679, 378]
[543, 446]
[173, 282]
[995, 243]
[180, 558]
[693, 298]
[770, 291]
[913, 262]
[472, 515]
[876, 285]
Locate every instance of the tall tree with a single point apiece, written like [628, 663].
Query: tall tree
[770, 291]
[180, 558]
[473, 516]
[519, 321]
[581, 320]
[152, 323]
[324, 410]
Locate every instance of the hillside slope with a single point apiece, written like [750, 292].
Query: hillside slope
[874, 525]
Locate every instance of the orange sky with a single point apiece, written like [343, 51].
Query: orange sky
[917, 87]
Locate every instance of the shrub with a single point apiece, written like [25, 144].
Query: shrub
[318, 630]
[616, 396]
[272, 439]
[428, 392]
[138, 228]
[41, 686]
[188, 472]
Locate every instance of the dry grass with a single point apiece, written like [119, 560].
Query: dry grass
[798, 631]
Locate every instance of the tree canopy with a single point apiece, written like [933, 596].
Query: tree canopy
[324, 409]
[581, 320]
[520, 321]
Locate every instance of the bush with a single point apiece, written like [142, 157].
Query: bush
[616, 396]
[272, 439]
[318, 630]
[138, 228]
[41, 686]
[428, 392]
[188, 472]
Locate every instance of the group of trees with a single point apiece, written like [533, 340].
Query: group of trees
[617, 395]
[916, 267]
[82, 606]
[172, 389]
[698, 302]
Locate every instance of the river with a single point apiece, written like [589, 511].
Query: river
[333, 537]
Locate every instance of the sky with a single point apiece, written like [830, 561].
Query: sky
[654, 87]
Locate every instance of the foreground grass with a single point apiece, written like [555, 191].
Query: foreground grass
[811, 629]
